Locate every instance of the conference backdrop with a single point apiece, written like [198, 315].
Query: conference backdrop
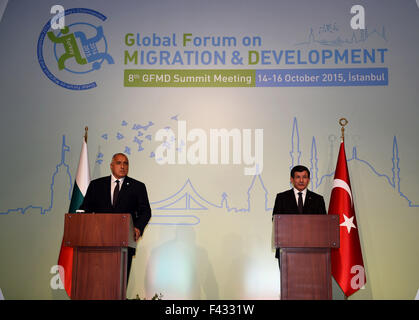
[213, 102]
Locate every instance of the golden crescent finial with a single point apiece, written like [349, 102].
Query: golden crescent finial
[343, 122]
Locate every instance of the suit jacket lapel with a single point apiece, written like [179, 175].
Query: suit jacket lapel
[292, 200]
[108, 191]
[123, 190]
[308, 200]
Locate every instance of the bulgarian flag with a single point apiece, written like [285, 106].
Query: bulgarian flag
[79, 191]
[347, 263]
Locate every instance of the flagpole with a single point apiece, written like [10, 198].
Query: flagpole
[85, 133]
[343, 122]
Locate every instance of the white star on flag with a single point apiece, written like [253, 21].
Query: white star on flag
[348, 223]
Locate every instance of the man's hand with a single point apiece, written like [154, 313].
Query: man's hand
[137, 234]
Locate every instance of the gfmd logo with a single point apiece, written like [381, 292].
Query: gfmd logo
[71, 55]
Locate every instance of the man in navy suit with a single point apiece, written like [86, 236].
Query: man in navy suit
[119, 193]
[298, 200]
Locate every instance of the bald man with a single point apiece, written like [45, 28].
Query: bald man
[130, 197]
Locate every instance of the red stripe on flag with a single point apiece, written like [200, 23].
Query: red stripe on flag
[66, 261]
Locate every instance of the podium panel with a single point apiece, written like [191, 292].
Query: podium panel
[305, 274]
[99, 230]
[305, 242]
[100, 254]
[306, 231]
[103, 270]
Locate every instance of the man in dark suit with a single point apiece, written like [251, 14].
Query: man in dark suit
[119, 193]
[298, 200]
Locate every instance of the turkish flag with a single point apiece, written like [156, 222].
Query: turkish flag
[347, 263]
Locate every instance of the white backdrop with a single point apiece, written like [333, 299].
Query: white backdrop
[210, 235]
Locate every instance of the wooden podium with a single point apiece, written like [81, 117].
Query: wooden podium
[305, 242]
[99, 244]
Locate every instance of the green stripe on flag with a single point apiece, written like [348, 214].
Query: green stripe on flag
[76, 199]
